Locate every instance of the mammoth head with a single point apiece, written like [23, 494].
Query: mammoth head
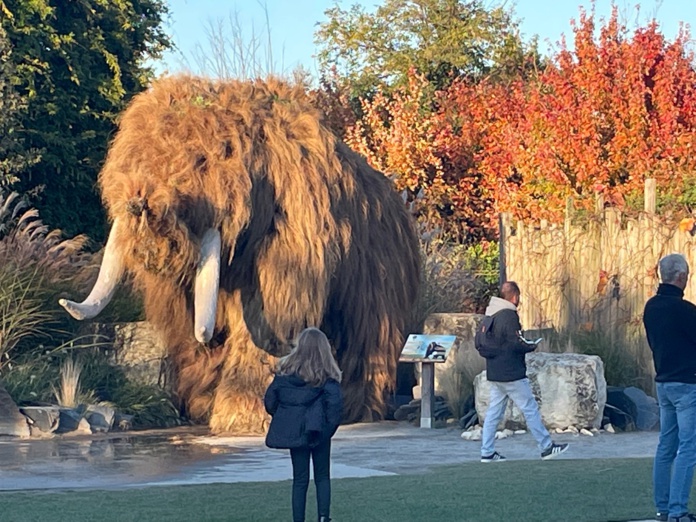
[206, 281]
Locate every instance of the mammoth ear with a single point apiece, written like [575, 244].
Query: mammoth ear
[110, 274]
[206, 286]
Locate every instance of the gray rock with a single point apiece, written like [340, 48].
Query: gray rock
[12, 422]
[72, 421]
[618, 418]
[402, 413]
[647, 411]
[468, 420]
[570, 389]
[100, 417]
[123, 422]
[463, 359]
[137, 348]
[42, 418]
[412, 411]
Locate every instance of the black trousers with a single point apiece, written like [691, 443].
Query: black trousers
[321, 457]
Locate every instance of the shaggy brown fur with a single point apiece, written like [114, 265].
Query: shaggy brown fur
[312, 236]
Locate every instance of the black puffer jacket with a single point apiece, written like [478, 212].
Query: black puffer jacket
[303, 416]
[505, 359]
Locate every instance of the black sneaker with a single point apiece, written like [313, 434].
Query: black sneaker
[684, 518]
[554, 451]
[494, 457]
[661, 516]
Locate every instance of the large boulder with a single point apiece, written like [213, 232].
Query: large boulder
[137, 348]
[42, 418]
[12, 422]
[570, 389]
[464, 362]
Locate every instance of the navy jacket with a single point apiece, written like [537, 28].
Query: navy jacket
[505, 360]
[303, 416]
[669, 322]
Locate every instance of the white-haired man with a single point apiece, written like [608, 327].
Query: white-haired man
[669, 324]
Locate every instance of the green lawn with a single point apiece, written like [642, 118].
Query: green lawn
[521, 491]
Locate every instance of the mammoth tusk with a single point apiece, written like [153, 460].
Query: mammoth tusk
[110, 274]
[206, 286]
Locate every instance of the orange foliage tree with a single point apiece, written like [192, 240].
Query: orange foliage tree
[395, 135]
[430, 153]
[601, 118]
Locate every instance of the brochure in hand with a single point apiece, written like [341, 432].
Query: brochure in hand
[530, 342]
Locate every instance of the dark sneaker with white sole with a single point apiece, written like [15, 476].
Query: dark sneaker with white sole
[661, 516]
[684, 518]
[493, 457]
[554, 451]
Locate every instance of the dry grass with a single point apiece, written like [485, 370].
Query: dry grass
[21, 311]
[456, 387]
[26, 242]
[69, 393]
[35, 265]
[627, 359]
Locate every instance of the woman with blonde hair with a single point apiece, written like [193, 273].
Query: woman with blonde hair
[306, 405]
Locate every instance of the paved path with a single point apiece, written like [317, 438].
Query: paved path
[189, 456]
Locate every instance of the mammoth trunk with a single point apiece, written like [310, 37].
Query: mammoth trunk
[206, 286]
[110, 274]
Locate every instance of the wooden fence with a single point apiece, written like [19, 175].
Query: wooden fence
[593, 274]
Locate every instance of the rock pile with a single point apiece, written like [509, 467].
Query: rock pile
[45, 421]
[411, 412]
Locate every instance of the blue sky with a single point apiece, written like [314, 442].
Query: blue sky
[292, 23]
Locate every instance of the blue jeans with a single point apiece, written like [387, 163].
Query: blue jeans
[321, 460]
[521, 394]
[675, 457]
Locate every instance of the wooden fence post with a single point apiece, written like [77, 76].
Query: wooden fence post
[650, 195]
[503, 234]
[599, 203]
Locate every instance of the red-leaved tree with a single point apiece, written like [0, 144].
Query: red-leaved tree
[617, 108]
[603, 117]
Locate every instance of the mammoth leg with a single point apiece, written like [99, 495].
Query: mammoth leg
[198, 371]
[238, 402]
[196, 368]
[368, 358]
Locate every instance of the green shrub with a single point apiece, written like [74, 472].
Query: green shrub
[31, 383]
[455, 277]
[100, 376]
[37, 381]
[22, 314]
[37, 336]
[150, 406]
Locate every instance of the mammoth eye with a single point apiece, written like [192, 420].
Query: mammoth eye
[136, 206]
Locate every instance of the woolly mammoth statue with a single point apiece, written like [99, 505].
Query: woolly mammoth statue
[243, 220]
